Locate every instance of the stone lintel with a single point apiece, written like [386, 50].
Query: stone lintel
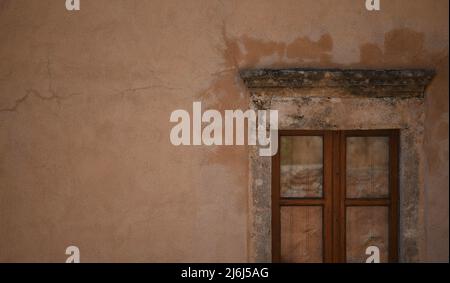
[372, 83]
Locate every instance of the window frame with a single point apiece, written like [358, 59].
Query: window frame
[334, 201]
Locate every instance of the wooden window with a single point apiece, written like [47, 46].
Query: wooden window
[334, 194]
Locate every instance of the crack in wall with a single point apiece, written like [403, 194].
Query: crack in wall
[35, 93]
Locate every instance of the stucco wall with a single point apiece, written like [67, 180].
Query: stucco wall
[85, 100]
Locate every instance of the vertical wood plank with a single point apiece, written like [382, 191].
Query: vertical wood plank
[328, 197]
[342, 171]
[335, 201]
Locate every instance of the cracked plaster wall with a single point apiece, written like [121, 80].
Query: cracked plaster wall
[85, 100]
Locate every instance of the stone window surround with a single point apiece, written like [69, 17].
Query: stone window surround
[336, 99]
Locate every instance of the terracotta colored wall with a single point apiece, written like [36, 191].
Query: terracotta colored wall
[85, 100]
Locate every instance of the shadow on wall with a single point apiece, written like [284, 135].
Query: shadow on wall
[4, 4]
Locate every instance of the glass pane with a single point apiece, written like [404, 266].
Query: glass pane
[367, 167]
[366, 226]
[301, 234]
[301, 166]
